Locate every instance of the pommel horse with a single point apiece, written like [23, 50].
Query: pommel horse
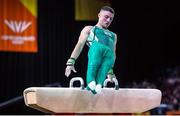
[78, 100]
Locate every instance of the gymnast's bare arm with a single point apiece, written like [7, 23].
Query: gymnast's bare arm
[78, 48]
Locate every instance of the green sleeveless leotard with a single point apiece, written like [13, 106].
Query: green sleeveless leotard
[100, 55]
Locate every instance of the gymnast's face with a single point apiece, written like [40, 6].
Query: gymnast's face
[105, 18]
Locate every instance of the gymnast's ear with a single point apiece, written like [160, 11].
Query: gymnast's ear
[98, 15]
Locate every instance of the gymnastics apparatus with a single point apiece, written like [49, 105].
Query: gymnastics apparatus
[78, 100]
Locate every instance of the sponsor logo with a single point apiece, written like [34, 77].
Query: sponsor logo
[18, 27]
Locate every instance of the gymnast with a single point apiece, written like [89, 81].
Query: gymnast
[101, 53]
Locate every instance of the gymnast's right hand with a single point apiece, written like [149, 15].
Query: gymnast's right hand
[69, 69]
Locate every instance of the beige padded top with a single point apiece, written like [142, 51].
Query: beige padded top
[76, 100]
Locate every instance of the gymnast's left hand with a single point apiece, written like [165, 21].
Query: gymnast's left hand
[69, 69]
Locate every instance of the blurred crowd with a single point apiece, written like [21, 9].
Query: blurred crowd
[169, 84]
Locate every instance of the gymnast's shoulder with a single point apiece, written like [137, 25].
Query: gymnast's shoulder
[87, 28]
